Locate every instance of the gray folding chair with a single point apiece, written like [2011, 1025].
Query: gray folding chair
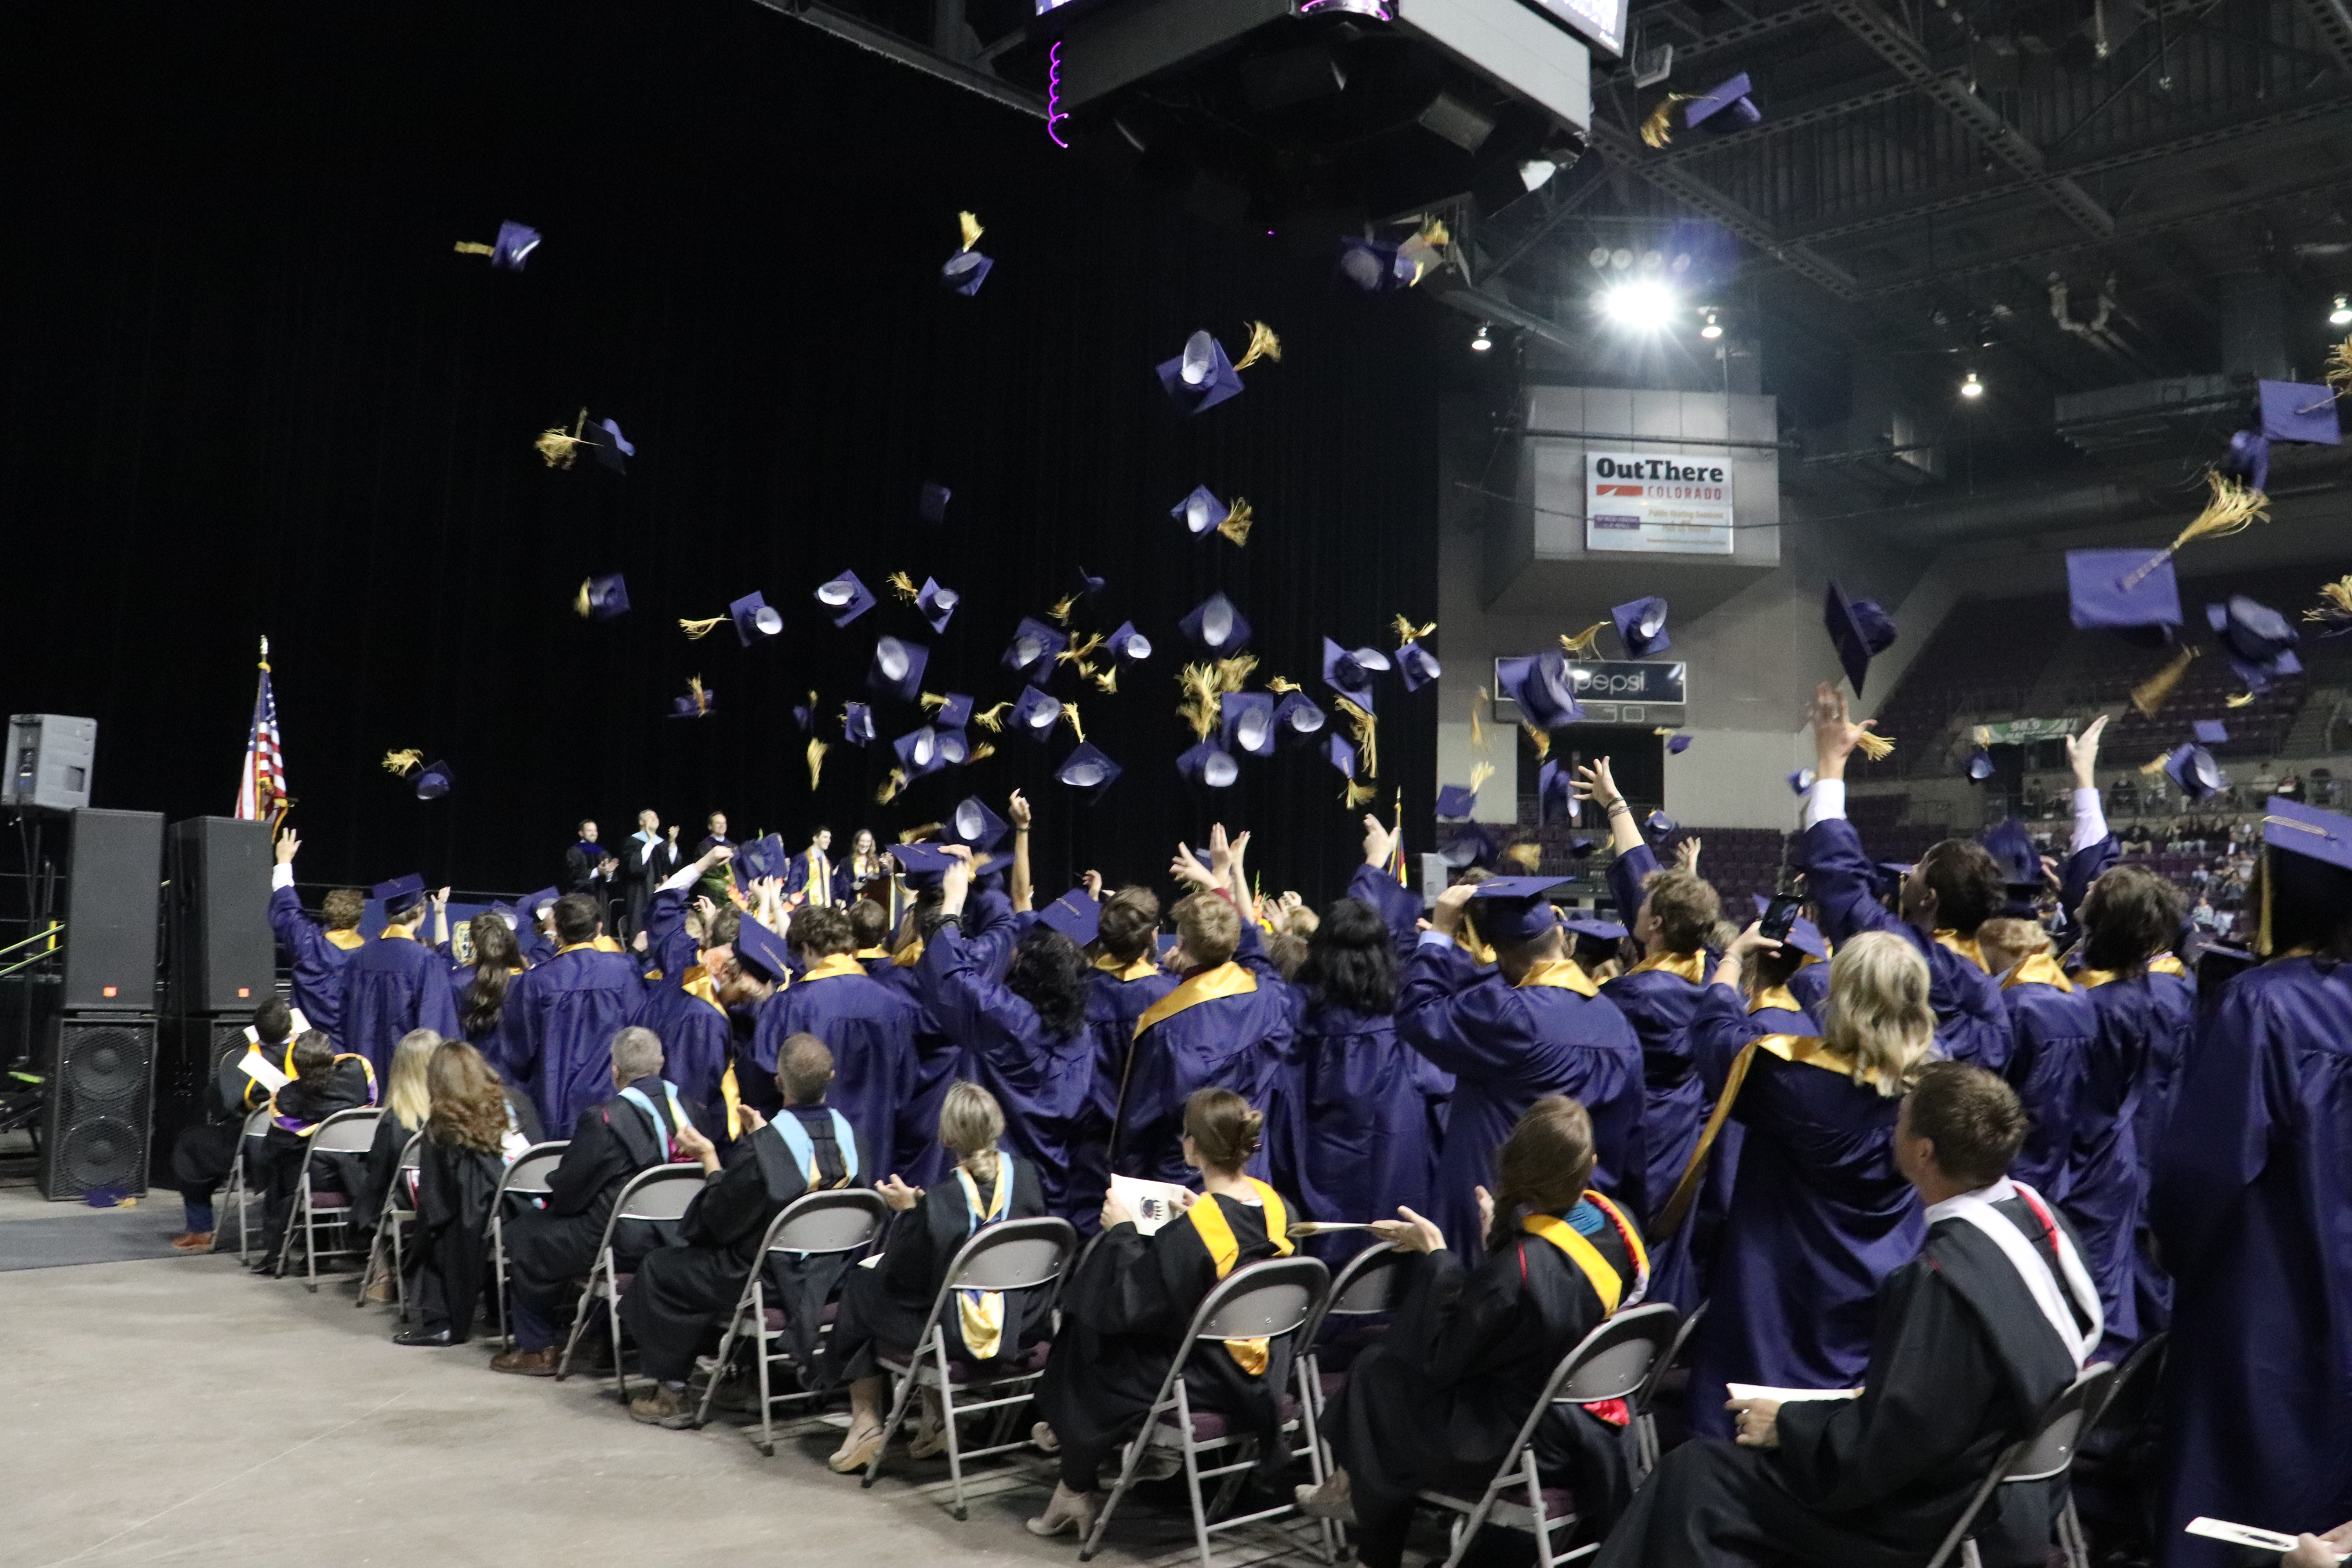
[814, 1223]
[1012, 1257]
[1368, 1284]
[256, 1122]
[656, 1195]
[1270, 1299]
[1645, 1404]
[529, 1177]
[392, 1221]
[2043, 1454]
[345, 1133]
[1613, 1362]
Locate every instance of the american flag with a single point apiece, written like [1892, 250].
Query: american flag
[261, 792]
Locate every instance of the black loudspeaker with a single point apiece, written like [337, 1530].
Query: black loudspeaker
[102, 1079]
[113, 884]
[188, 1054]
[221, 956]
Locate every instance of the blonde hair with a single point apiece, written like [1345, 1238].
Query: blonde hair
[971, 1122]
[1209, 927]
[2007, 942]
[1877, 1015]
[409, 1098]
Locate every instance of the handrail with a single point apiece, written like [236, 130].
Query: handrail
[47, 933]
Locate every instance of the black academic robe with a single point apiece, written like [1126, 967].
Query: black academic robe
[682, 1294]
[376, 1169]
[454, 1188]
[204, 1152]
[888, 1305]
[1962, 1367]
[297, 1109]
[643, 869]
[549, 1249]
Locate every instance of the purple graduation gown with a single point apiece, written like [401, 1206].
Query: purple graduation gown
[870, 1028]
[697, 1040]
[2252, 1205]
[392, 985]
[1351, 1127]
[318, 963]
[2107, 1175]
[1819, 1216]
[560, 1022]
[1224, 1041]
[1119, 995]
[1507, 1046]
[2054, 1026]
[1658, 1002]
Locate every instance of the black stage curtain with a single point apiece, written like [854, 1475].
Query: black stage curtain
[249, 388]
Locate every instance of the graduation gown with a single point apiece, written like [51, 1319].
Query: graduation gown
[491, 1041]
[551, 1248]
[2053, 1027]
[296, 1112]
[1961, 1364]
[2139, 1018]
[2249, 1205]
[668, 944]
[1121, 994]
[1225, 1026]
[938, 1062]
[1041, 1081]
[1399, 905]
[455, 1189]
[1971, 1025]
[559, 1023]
[1350, 1130]
[317, 957]
[888, 1305]
[644, 866]
[390, 987]
[870, 1029]
[810, 874]
[1657, 996]
[1507, 1046]
[697, 1038]
[1819, 1214]
[682, 1294]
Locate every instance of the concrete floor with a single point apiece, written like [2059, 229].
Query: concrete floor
[180, 1411]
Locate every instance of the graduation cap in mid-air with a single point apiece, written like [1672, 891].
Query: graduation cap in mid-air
[1340, 754]
[931, 502]
[615, 450]
[435, 781]
[1201, 377]
[2257, 640]
[857, 723]
[1087, 768]
[845, 598]
[1128, 643]
[2299, 411]
[1660, 825]
[1555, 791]
[973, 824]
[1642, 627]
[507, 253]
[1374, 265]
[1211, 764]
[602, 598]
[1456, 802]
[1216, 626]
[918, 751]
[754, 618]
[1416, 665]
[761, 857]
[2249, 458]
[1199, 511]
[1034, 647]
[955, 746]
[967, 269]
[2211, 732]
[1296, 714]
[954, 710]
[1803, 780]
[1724, 107]
[1466, 843]
[2011, 846]
[700, 701]
[1350, 671]
[1678, 744]
[1859, 630]
[936, 603]
[1245, 722]
[1977, 767]
[1541, 684]
[1037, 713]
[897, 667]
[2192, 768]
[2130, 591]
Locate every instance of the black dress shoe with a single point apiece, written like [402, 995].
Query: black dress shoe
[423, 1336]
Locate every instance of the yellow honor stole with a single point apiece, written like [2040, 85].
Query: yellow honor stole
[1142, 968]
[2038, 969]
[1228, 979]
[1607, 1283]
[1690, 966]
[1560, 973]
[1216, 1234]
[981, 1312]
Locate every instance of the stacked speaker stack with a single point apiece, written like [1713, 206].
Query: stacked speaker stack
[220, 961]
[101, 1059]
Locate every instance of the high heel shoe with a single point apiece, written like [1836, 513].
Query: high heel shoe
[1065, 1509]
[856, 1452]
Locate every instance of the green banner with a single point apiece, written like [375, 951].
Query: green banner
[2024, 732]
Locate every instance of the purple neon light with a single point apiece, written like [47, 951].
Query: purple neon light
[1053, 112]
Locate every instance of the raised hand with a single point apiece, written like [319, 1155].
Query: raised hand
[1187, 867]
[1016, 812]
[290, 844]
[1836, 735]
[1593, 781]
[1687, 856]
[1379, 842]
[2082, 753]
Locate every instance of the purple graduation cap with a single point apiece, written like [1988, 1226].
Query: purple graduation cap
[1554, 796]
[2010, 843]
[931, 504]
[1216, 626]
[1128, 643]
[1211, 764]
[1199, 511]
[1467, 844]
[964, 272]
[1678, 744]
[845, 598]
[1642, 627]
[1373, 265]
[1089, 583]
[1803, 935]
[804, 715]
[1659, 825]
[918, 751]
[1724, 107]
[699, 702]
[897, 667]
[1456, 802]
[2249, 458]
[2213, 732]
[2194, 769]
[1087, 768]
[2298, 411]
[762, 952]
[1296, 715]
[2120, 591]
[2256, 639]
[400, 893]
[857, 723]
[1034, 647]
[615, 450]
[922, 865]
[1860, 631]
[1076, 915]
[434, 782]
[2306, 833]
[971, 823]
[1416, 665]
[761, 857]
[1340, 755]
[954, 714]
[1246, 722]
[604, 598]
[1201, 377]
[937, 603]
[513, 246]
[1580, 845]
[1350, 671]
[1979, 767]
[1599, 930]
[1800, 781]
[955, 746]
[754, 618]
[1036, 713]
[1540, 685]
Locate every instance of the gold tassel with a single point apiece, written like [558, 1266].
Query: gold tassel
[917, 835]
[475, 247]
[1109, 681]
[2340, 367]
[1870, 743]
[1528, 857]
[1200, 707]
[1237, 525]
[970, 224]
[2156, 766]
[1368, 735]
[1233, 673]
[1433, 232]
[2337, 608]
[1263, 344]
[404, 763]
[580, 606]
[1477, 719]
[1070, 711]
[1479, 773]
[904, 586]
[1542, 738]
[2233, 508]
[694, 689]
[558, 447]
[1584, 642]
[1060, 614]
[816, 751]
[1407, 632]
[930, 701]
[1282, 688]
[697, 630]
[2238, 699]
[891, 786]
[981, 753]
[1077, 652]
[1357, 795]
[1657, 126]
[991, 719]
[2149, 694]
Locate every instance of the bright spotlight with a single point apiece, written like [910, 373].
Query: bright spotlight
[1714, 329]
[1972, 387]
[1482, 341]
[2342, 315]
[1644, 305]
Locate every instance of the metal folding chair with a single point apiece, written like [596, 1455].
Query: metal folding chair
[345, 1133]
[1012, 1257]
[830, 1222]
[658, 1194]
[1613, 1362]
[529, 1176]
[2042, 1455]
[1368, 1284]
[1645, 1404]
[256, 1122]
[399, 1212]
[1271, 1300]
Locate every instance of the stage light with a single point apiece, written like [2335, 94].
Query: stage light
[1972, 387]
[1646, 305]
[1536, 173]
[2342, 315]
[1482, 341]
[1714, 329]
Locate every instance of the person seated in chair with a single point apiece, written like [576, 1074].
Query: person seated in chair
[204, 1154]
[1438, 1401]
[460, 1165]
[1976, 1336]
[324, 1082]
[680, 1292]
[549, 1249]
[1126, 1308]
[890, 1303]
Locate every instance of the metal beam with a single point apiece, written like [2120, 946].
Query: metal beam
[1743, 32]
[1782, 121]
[907, 52]
[2331, 20]
[1697, 194]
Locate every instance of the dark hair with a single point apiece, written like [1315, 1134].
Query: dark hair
[342, 909]
[584, 822]
[314, 1061]
[273, 1021]
[2308, 902]
[495, 955]
[1968, 883]
[822, 932]
[2129, 916]
[577, 916]
[1351, 962]
[869, 924]
[1686, 906]
[1051, 975]
[1130, 918]
[712, 818]
[1973, 1117]
[804, 1069]
[1543, 1166]
[1770, 970]
[815, 832]
[1223, 1128]
[469, 1109]
[1287, 950]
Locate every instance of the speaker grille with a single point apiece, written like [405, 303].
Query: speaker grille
[100, 1102]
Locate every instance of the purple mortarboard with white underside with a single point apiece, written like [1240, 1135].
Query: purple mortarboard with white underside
[1087, 768]
[922, 864]
[845, 598]
[1678, 744]
[937, 603]
[1579, 845]
[1199, 511]
[507, 253]
[1860, 631]
[1803, 935]
[1540, 685]
[2256, 639]
[400, 893]
[1416, 665]
[603, 598]
[1216, 626]
[1034, 647]
[1201, 377]
[955, 712]
[615, 449]
[2194, 769]
[1466, 843]
[1340, 755]
[1456, 802]
[897, 667]
[1373, 265]
[1979, 766]
[1660, 825]
[2249, 458]
[2213, 732]
[2299, 411]
[762, 952]
[434, 782]
[1800, 781]
[1724, 107]
[1642, 627]
[1554, 793]
[535, 905]
[1297, 715]
[2129, 592]
[1211, 764]
[1076, 915]
[754, 618]
[931, 503]
[1036, 713]
[973, 824]
[955, 746]
[1246, 722]
[804, 715]
[1515, 909]
[761, 857]
[964, 272]
[858, 723]
[1350, 671]
[1128, 643]
[918, 751]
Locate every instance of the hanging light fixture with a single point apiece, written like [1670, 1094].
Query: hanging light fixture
[1714, 329]
[1484, 341]
[2342, 315]
[1972, 387]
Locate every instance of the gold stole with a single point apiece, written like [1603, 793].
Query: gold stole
[1143, 968]
[2162, 963]
[909, 955]
[1690, 966]
[1228, 979]
[697, 982]
[2038, 969]
[1216, 1234]
[1787, 1047]
[1965, 946]
[346, 940]
[578, 947]
[833, 966]
[864, 953]
[406, 933]
[1607, 1283]
[981, 1312]
[1560, 973]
